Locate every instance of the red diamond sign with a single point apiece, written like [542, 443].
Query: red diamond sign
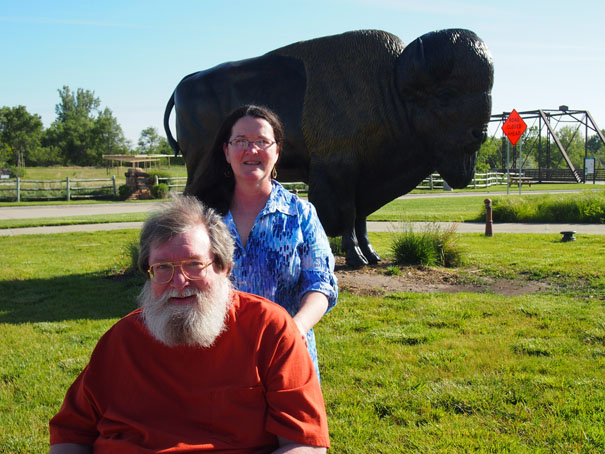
[514, 127]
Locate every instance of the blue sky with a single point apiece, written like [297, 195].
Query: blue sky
[132, 54]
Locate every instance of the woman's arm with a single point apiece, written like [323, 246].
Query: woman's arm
[317, 274]
[313, 306]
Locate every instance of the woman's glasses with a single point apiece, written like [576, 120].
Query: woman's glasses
[243, 144]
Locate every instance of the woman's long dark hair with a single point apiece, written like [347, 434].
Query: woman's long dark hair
[215, 181]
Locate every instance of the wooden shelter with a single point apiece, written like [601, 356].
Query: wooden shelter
[145, 159]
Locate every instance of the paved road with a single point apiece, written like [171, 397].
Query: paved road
[477, 227]
[55, 211]
[49, 211]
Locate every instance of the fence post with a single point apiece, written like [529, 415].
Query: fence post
[67, 189]
[488, 217]
[431, 181]
[156, 180]
[18, 189]
[113, 181]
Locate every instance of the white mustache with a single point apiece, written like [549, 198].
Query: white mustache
[197, 324]
[184, 293]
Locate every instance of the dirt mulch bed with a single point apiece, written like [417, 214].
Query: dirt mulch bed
[376, 280]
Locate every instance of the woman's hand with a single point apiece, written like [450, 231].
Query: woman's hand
[303, 332]
[312, 307]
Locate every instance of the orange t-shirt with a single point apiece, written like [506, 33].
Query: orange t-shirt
[255, 383]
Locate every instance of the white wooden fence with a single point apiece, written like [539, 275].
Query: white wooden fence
[18, 189]
[434, 181]
[480, 180]
[71, 188]
[178, 183]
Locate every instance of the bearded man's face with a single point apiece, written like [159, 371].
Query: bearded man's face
[196, 324]
[188, 305]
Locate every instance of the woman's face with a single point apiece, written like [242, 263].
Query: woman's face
[254, 162]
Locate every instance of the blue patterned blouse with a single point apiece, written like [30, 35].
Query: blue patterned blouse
[287, 255]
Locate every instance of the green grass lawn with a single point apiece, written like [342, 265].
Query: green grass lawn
[73, 220]
[401, 372]
[454, 209]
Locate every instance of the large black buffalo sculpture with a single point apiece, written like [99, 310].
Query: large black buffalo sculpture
[366, 118]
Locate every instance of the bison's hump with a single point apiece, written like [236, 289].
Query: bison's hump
[364, 43]
[350, 79]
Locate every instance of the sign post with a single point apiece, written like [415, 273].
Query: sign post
[514, 127]
[507, 166]
[520, 163]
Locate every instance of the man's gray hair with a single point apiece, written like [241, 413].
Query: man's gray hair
[180, 215]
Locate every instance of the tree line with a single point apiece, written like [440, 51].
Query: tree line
[492, 154]
[83, 132]
[80, 135]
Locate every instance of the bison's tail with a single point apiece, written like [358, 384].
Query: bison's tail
[173, 143]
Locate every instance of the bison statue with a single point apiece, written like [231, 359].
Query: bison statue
[366, 118]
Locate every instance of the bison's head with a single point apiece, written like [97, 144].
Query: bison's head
[445, 80]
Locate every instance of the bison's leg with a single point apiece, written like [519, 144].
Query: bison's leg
[332, 192]
[354, 257]
[361, 231]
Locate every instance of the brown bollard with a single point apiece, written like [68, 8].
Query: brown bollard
[488, 217]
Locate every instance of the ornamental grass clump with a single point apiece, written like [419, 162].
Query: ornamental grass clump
[511, 209]
[160, 191]
[587, 207]
[592, 207]
[431, 247]
[131, 250]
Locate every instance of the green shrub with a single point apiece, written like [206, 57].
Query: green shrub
[160, 191]
[513, 209]
[414, 249]
[432, 247]
[132, 251]
[557, 210]
[336, 245]
[124, 191]
[588, 207]
[159, 174]
[393, 271]
[592, 207]
[16, 171]
[452, 255]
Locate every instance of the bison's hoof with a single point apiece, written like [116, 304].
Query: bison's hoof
[355, 258]
[373, 259]
[370, 254]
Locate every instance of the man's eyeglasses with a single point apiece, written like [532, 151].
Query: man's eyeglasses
[243, 144]
[162, 273]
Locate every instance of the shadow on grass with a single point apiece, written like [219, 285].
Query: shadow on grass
[73, 297]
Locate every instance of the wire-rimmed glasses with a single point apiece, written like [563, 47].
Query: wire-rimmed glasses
[243, 144]
[162, 272]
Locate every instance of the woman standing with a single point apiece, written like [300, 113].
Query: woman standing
[281, 250]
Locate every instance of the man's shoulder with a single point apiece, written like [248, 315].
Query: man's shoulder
[251, 302]
[248, 305]
[265, 324]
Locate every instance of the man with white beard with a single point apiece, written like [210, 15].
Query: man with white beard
[199, 367]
